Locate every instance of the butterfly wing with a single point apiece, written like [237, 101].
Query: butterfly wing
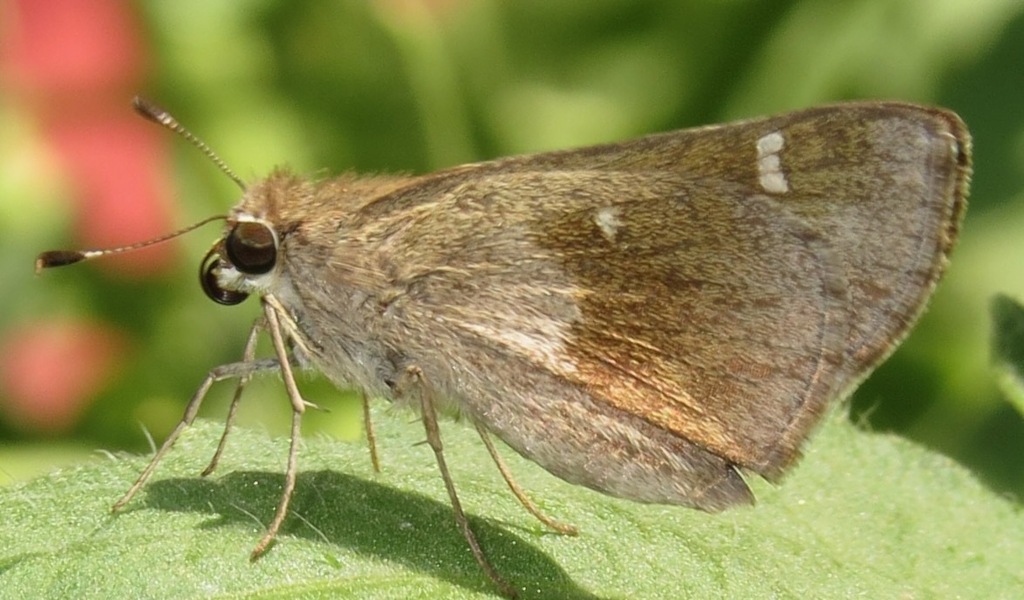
[645, 317]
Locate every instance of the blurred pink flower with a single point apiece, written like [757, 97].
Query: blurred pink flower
[76, 65]
[72, 46]
[73, 66]
[50, 371]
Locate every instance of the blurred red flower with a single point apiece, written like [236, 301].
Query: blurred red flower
[50, 371]
[73, 66]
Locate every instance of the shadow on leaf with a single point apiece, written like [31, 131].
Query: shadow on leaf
[371, 519]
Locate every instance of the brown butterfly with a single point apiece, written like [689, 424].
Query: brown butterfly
[648, 318]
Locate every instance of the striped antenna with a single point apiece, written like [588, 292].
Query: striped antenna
[59, 258]
[152, 112]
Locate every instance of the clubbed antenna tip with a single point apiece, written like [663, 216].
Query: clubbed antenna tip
[154, 113]
[59, 258]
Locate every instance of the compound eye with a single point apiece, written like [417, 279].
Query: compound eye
[208, 281]
[251, 248]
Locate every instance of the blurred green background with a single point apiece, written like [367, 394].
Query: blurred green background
[413, 86]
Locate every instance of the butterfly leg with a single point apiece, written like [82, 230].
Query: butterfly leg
[371, 436]
[415, 383]
[248, 356]
[518, 492]
[239, 370]
[298, 408]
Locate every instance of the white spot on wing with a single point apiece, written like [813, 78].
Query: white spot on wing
[769, 165]
[607, 220]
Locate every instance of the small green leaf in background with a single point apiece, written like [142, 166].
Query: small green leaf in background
[864, 515]
[1008, 347]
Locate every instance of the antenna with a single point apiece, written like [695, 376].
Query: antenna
[152, 112]
[59, 258]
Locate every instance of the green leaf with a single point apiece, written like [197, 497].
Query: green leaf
[1008, 347]
[863, 515]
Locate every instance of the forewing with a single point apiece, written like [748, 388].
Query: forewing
[730, 320]
[722, 284]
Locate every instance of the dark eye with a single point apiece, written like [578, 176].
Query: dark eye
[208, 280]
[251, 248]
